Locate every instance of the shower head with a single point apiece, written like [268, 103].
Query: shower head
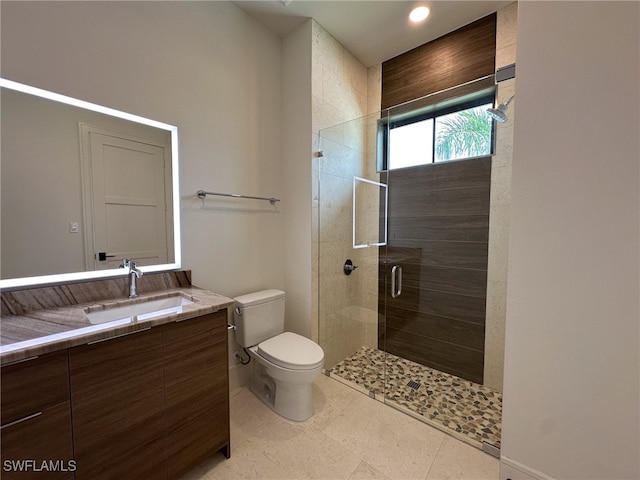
[498, 114]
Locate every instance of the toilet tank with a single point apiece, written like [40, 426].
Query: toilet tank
[258, 316]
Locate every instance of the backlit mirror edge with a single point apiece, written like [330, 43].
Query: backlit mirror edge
[47, 280]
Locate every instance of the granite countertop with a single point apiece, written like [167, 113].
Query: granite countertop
[42, 331]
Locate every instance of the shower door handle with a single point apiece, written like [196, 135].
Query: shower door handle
[396, 285]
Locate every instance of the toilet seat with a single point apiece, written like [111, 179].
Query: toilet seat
[292, 351]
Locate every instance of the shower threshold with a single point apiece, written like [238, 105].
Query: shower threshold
[466, 410]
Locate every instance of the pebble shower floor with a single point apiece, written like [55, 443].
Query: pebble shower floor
[469, 411]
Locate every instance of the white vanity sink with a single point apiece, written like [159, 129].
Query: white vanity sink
[140, 311]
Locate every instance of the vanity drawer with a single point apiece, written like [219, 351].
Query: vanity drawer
[39, 447]
[32, 385]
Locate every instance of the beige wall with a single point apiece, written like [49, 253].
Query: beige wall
[500, 206]
[297, 118]
[324, 86]
[572, 370]
[348, 304]
[347, 308]
[209, 69]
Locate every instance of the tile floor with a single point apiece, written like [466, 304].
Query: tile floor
[470, 411]
[351, 436]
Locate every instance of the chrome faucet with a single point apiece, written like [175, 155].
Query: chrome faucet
[134, 274]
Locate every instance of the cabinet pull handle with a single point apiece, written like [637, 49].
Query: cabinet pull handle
[19, 361]
[118, 336]
[20, 420]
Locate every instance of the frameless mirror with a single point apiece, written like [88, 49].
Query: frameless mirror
[83, 187]
[369, 213]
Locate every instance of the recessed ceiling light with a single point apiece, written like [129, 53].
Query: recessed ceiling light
[418, 14]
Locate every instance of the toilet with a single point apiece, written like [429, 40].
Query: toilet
[285, 363]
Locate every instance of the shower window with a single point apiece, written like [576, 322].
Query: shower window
[411, 144]
[453, 133]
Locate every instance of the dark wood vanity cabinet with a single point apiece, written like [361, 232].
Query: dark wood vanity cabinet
[152, 404]
[145, 405]
[196, 391]
[117, 397]
[36, 419]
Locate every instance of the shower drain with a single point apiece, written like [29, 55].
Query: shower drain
[414, 385]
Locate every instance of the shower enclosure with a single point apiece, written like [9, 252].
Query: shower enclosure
[402, 276]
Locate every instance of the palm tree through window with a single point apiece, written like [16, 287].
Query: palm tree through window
[465, 131]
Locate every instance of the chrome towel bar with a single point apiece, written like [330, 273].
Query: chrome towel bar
[202, 194]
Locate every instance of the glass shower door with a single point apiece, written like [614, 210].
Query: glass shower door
[435, 262]
[351, 207]
[402, 277]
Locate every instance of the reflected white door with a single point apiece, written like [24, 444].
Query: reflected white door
[128, 184]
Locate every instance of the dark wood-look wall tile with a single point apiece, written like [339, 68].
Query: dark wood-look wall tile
[472, 255]
[438, 233]
[450, 305]
[458, 201]
[450, 358]
[461, 281]
[400, 254]
[465, 334]
[443, 175]
[457, 228]
[451, 60]
[439, 218]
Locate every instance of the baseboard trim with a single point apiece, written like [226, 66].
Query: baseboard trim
[512, 470]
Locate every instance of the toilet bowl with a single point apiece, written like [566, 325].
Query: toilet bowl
[285, 363]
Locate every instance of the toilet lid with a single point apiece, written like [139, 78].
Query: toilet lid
[293, 351]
